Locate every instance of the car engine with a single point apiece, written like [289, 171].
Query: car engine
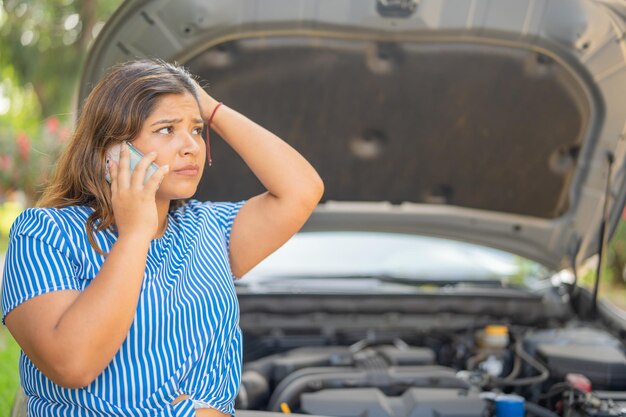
[492, 370]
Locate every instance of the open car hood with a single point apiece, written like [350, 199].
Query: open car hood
[488, 122]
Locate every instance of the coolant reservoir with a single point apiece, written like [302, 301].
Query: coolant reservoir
[493, 337]
[491, 343]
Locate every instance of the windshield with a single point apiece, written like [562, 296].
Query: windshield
[372, 254]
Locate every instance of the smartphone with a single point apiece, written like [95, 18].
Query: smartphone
[113, 154]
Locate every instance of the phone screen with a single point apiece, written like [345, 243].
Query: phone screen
[113, 154]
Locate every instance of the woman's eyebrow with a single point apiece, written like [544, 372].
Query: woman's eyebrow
[163, 121]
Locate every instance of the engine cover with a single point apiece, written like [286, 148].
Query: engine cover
[414, 402]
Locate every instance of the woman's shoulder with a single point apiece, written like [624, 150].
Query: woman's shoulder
[217, 214]
[36, 221]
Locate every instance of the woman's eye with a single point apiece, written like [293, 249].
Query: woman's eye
[198, 131]
[165, 130]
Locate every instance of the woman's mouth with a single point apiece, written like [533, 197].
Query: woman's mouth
[189, 170]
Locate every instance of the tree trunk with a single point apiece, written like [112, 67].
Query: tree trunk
[87, 14]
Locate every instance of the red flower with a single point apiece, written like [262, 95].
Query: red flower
[52, 124]
[23, 145]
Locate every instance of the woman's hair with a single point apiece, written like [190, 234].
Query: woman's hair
[114, 112]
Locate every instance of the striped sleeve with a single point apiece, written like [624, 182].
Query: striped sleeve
[226, 213]
[37, 260]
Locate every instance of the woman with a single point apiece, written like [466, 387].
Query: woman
[122, 302]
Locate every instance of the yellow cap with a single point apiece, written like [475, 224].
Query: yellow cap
[284, 407]
[496, 330]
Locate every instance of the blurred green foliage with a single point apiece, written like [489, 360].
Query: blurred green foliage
[26, 161]
[612, 286]
[9, 378]
[43, 46]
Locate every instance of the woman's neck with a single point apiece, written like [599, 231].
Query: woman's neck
[163, 207]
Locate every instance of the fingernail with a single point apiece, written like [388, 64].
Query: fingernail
[152, 153]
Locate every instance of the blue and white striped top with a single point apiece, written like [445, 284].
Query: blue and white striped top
[185, 337]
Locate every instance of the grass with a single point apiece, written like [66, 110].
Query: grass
[9, 378]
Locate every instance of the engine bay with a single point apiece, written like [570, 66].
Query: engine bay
[447, 365]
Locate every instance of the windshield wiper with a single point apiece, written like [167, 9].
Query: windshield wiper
[442, 282]
[414, 281]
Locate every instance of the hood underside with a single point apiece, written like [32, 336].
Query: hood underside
[414, 122]
[482, 121]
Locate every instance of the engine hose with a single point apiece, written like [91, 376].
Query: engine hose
[538, 411]
[517, 367]
[544, 373]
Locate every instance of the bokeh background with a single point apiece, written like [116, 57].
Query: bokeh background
[43, 45]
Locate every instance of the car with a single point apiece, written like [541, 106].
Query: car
[473, 159]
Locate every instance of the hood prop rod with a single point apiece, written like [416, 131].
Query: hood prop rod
[603, 235]
[573, 290]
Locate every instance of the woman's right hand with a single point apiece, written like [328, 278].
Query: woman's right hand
[71, 335]
[134, 202]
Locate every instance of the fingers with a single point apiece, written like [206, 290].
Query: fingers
[156, 179]
[180, 398]
[138, 176]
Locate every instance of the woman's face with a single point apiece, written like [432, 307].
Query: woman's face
[174, 132]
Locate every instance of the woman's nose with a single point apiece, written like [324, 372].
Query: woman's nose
[190, 144]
